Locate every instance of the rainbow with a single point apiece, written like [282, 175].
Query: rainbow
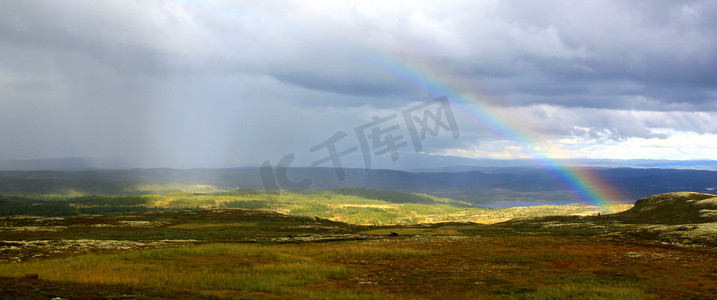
[585, 185]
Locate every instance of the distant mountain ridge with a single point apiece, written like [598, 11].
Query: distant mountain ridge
[410, 162]
[500, 185]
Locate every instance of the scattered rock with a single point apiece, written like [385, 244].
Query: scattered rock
[393, 234]
[682, 228]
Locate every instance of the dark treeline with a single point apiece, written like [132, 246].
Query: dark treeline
[13, 205]
[10, 206]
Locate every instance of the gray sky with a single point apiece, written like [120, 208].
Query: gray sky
[226, 83]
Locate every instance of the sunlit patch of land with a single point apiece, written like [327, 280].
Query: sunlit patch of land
[355, 206]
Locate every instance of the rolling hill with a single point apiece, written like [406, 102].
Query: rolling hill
[672, 208]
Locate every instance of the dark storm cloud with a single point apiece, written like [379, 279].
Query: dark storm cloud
[342, 85]
[570, 54]
[77, 80]
[171, 83]
[64, 29]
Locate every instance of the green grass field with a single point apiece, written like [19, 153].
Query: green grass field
[459, 266]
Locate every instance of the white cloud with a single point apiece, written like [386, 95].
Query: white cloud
[676, 146]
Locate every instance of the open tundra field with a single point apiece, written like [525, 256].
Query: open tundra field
[663, 247]
[349, 205]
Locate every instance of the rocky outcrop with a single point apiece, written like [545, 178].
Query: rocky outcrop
[672, 208]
